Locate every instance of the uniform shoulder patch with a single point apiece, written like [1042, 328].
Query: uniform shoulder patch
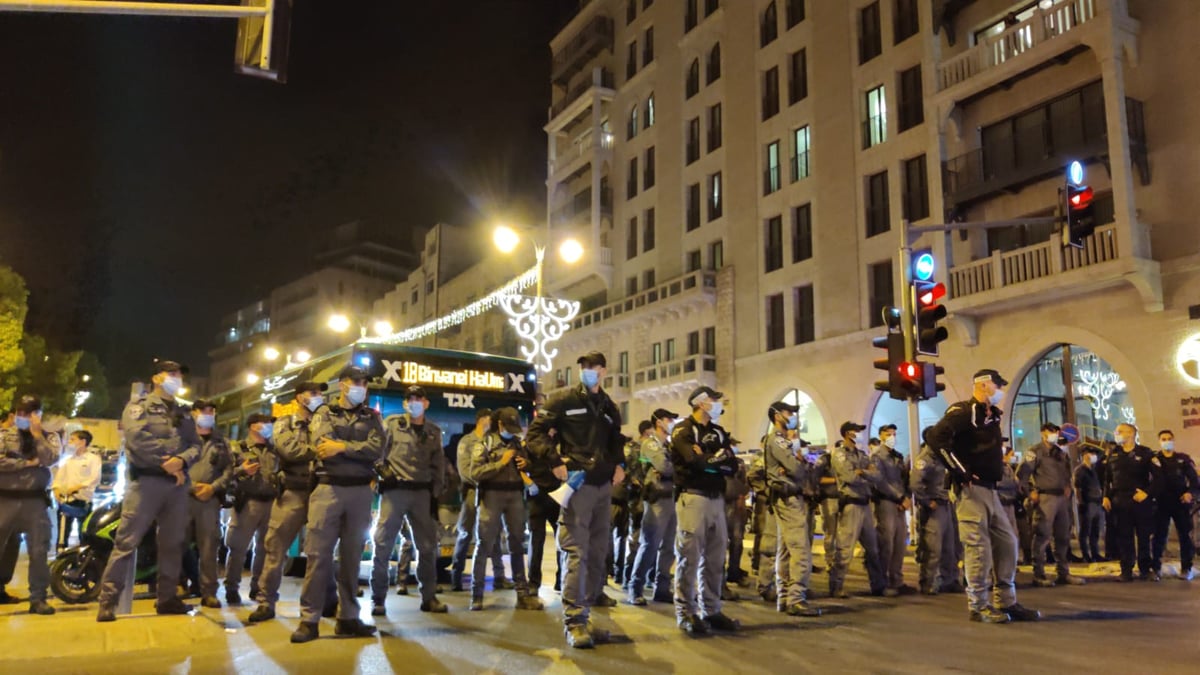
[920, 465]
[136, 410]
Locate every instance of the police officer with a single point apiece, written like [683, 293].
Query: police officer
[969, 436]
[1090, 492]
[656, 541]
[765, 531]
[1180, 489]
[211, 476]
[350, 439]
[256, 486]
[827, 493]
[27, 452]
[160, 445]
[857, 475]
[737, 487]
[1050, 495]
[622, 516]
[465, 528]
[1129, 490]
[543, 512]
[296, 452]
[580, 430]
[412, 475]
[936, 548]
[790, 481]
[702, 454]
[891, 503]
[497, 460]
[1009, 488]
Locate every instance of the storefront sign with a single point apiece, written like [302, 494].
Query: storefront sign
[1191, 411]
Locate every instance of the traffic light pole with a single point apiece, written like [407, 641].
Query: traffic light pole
[908, 329]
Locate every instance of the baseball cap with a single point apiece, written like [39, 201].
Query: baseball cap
[28, 403]
[353, 373]
[1050, 426]
[701, 394]
[508, 419]
[987, 374]
[593, 359]
[663, 414]
[311, 386]
[167, 366]
[255, 418]
[202, 403]
[415, 391]
[851, 426]
[886, 427]
[782, 406]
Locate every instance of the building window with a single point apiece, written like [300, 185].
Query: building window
[775, 329]
[712, 68]
[801, 232]
[710, 6]
[656, 353]
[690, 16]
[714, 196]
[693, 345]
[648, 47]
[630, 11]
[623, 362]
[877, 204]
[772, 178]
[714, 127]
[692, 150]
[710, 341]
[631, 286]
[804, 317]
[694, 262]
[879, 279]
[631, 248]
[794, 10]
[631, 61]
[693, 79]
[773, 244]
[649, 111]
[648, 170]
[415, 296]
[770, 93]
[797, 76]
[916, 189]
[870, 42]
[631, 128]
[631, 181]
[716, 255]
[905, 20]
[874, 117]
[429, 286]
[648, 279]
[648, 231]
[800, 141]
[769, 30]
[693, 206]
[670, 349]
[911, 106]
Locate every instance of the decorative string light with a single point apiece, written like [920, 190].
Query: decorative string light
[458, 316]
[540, 322]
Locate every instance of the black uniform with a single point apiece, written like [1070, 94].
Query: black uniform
[1178, 473]
[1127, 472]
[1090, 492]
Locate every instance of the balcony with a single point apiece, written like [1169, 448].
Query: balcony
[671, 299]
[601, 81]
[674, 379]
[579, 211]
[593, 38]
[584, 150]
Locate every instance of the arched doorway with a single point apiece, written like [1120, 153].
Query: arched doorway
[890, 411]
[1070, 383]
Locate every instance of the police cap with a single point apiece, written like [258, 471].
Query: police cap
[593, 359]
[702, 394]
[168, 366]
[311, 386]
[255, 418]
[28, 404]
[847, 427]
[415, 391]
[508, 419]
[353, 373]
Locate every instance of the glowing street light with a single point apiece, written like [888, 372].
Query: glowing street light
[251, 378]
[506, 239]
[339, 323]
[270, 353]
[571, 251]
[384, 328]
[86, 378]
[301, 356]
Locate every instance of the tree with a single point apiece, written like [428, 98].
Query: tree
[51, 374]
[13, 308]
[96, 383]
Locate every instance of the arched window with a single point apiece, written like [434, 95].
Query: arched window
[770, 26]
[714, 64]
[631, 129]
[693, 79]
[649, 121]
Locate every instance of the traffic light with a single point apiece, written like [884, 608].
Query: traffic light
[929, 383]
[910, 380]
[1078, 209]
[928, 311]
[894, 344]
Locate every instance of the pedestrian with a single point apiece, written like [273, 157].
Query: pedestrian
[465, 527]
[350, 439]
[891, 502]
[1130, 485]
[75, 481]
[160, 445]
[656, 541]
[296, 450]
[255, 489]
[1050, 494]
[968, 439]
[27, 453]
[936, 547]
[857, 475]
[412, 475]
[791, 480]
[1180, 490]
[1090, 493]
[497, 460]
[702, 454]
[579, 429]
[212, 477]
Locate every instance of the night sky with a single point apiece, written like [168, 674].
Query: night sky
[146, 189]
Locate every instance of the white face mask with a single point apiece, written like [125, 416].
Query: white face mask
[997, 398]
[716, 410]
[205, 421]
[172, 385]
[314, 402]
[1091, 459]
[1052, 439]
[1168, 446]
[1119, 438]
[890, 442]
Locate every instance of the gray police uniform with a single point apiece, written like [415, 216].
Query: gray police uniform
[215, 468]
[856, 523]
[790, 481]
[656, 542]
[24, 502]
[766, 534]
[294, 448]
[890, 492]
[340, 507]
[412, 476]
[936, 540]
[254, 497]
[1051, 478]
[1009, 490]
[500, 496]
[465, 527]
[828, 491]
[156, 430]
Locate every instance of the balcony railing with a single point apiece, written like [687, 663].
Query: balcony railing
[691, 282]
[583, 146]
[601, 77]
[1048, 258]
[673, 372]
[592, 39]
[580, 208]
[993, 50]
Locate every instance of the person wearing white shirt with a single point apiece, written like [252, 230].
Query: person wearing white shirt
[75, 482]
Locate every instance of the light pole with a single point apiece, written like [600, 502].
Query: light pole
[507, 239]
[341, 323]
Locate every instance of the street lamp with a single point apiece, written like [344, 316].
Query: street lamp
[339, 323]
[384, 328]
[251, 378]
[271, 354]
[86, 378]
[301, 356]
[506, 241]
[571, 251]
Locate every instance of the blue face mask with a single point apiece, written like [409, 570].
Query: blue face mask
[266, 430]
[589, 377]
[22, 423]
[416, 408]
[205, 421]
[717, 409]
[356, 395]
[793, 422]
[506, 436]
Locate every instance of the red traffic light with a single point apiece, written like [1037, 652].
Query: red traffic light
[931, 294]
[910, 370]
[1080, 197]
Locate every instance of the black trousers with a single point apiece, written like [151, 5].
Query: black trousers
[1134, 524]
[543, 510]
[1181, 515]
[65, 522]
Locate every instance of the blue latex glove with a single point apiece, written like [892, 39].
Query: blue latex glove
[575, 479]
[532, 490]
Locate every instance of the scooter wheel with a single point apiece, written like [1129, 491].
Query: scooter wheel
[75, 578]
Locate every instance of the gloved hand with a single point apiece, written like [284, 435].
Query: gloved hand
[532, 490]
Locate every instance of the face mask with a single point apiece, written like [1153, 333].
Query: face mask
[1052, 439]
[266, 430]
[890, 442]
[793, 422]
[314, 402]
[1091, 459]
[172, 385]
[416, 408]
[506, 435]
[75, 447]
[22, 423]
[356, 395]
[589, 377]
[997, 398]
[717, 409]
[1168, 446]
[205, 421]
[671, 425]
[1119, 439]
